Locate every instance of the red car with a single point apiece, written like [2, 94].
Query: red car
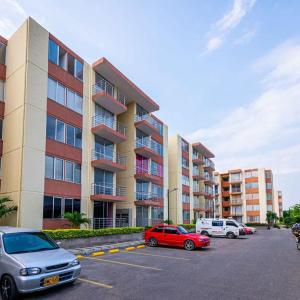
[176, 236]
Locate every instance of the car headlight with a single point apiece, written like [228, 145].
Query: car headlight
[30, 271]
[75, 262]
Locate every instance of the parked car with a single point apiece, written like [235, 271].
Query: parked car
[219, 227]
[176, 236]
[30, 261]
[248, 229]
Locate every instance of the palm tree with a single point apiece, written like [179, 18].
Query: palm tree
[4, 209]
[76, 219]
[271, 218]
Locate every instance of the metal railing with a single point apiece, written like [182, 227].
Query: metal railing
[148, 119]
[197, 189]
[141, 196]
[236, 190]
[109, 155]
[149, 171]
[209, 163]
[208, 177]
[197, 156]
[198, 205]
[148, 143]
[98, 223]
[198, 173]
[143, 222]
[108, 189]
[236, 201]
[109, 122]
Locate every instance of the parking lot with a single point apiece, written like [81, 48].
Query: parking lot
[262, 266]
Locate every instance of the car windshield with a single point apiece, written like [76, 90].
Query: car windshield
[182, 230]
[25, 242]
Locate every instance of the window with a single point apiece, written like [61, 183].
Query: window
[78, 103]
[269, 207]
[62, 58]
[235, 176]
[1, 128]
[49, 168]
[52, 84]
[71, 99]
[269, 185]
[269, 197]
[251, 185]
[70, 135]
[186, 215]
[77, 173]
[52, 51]
[69, 171]
[184, 146]
[231, 223]
[185, 180]
[1, 90]
[158, 229]
[55, 207]
[217, 223]
[71, 64]
[249, 174]
[51, 127]
[61, 94]
[156, 169]
[157, 190]
[59, 169]
[2, 53]
[79, 70]
[253, 219]
[60, 131]
[170, 230]
[253, 207]
[185, 198]
[157, 147]
[185, 163]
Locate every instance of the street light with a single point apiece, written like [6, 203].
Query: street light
[169, 192]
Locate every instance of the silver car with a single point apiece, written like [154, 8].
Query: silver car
[30, 261]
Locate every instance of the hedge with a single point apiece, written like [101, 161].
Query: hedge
[61, 234]
[188, 226]
[255, 224]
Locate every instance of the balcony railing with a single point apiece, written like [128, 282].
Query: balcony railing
[236, 201]
[108, 189]
[109, 155]
[208, 177]
[144, 222]
[148, 143]
[236, 190]
[109, 122]
[97, 223]
[141, 196]
[197, 189]
[104, 86]
[197, 204]
[209, 163]
[149, 171]
[148, 119]
[197, 172]
[197, 156]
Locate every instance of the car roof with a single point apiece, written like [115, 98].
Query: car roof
[165, 225]
[9, 229]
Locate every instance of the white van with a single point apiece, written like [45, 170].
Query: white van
[218, 227]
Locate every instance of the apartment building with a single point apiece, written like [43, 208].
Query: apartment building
[191, 182]
[278, 203]
[76, 137]
[245, 195]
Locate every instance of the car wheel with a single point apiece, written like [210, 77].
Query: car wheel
[9, 289]
[153, 242]
[204, 233]
[298, 246]
[189, 245]
[230, 235]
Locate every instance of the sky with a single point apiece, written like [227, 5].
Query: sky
[226, 73]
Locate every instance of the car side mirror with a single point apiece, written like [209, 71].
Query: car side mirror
[58, 243]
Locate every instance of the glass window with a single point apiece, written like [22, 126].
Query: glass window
[69, 171]
[77, 173]
[2, 53]
[48, 207]
[51, 122]
[70, 135]
[230, 223]
[49, 167]
[76, 205]
[78, 104]
[52, 51]
[217, 223]
[158, 229]
[79, 70]
[60, 131]
[78, 137]
[52, 89]
[1, 90]
[1, 125]
[61, 94]
[170, 230]
[62, 58]
[59, 169]
[71, 99]
[57, 208]
[68, 205]
[71, 64]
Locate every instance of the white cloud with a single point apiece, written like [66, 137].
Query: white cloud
[229, 21]
[245, 38]
[266, 132]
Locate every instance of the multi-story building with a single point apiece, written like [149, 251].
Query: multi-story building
[76, 137]
[190, 181]
[245, 195]
[278, 203]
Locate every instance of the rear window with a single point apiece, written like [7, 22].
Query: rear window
[217, 223]
[158, 229]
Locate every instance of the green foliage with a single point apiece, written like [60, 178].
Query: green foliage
[188, 226]
[292, 215]
[169, 222]
[62, 234]
[255, 224]
[4, 209]
[76, 219]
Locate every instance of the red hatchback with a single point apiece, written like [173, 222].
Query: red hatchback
[176, 236]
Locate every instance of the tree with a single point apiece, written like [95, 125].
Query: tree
[76, 219]
[4, 209]
[271, 217]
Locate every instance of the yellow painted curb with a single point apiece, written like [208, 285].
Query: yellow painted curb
[80, 257]
[114, 251]
[97, 254]
[129, 248]
[141, 246]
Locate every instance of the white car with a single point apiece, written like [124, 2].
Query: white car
[218, 227]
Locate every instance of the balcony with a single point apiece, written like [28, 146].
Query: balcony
[108, 97]
[149, 199]
[209, 165]
[209, 179]
[146, 124]
[226, 214]
[112, 161]
[198, 159]
[146, 148]
[108, 192]
[208, 194]
[234, 191]
[237, 214]
[197, 175]
[148, 174]
[197, 206]
[197, 191]
[109, 129]
[236, 202]
[225, 203]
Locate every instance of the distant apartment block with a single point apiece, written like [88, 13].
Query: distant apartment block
[191, 181]
[76, 137]
[245, 195]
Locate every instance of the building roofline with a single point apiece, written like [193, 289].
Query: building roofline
[203, 150]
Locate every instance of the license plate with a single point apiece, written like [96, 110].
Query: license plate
[51, 280]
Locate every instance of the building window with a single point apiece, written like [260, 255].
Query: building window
[1, 128]
[157, 190]
[157, 147]
[185, 180]
[64, 96]
[184, 146]
[60, 169]
[1, 90]
[60, 131]
[249, 174]
[185, 163]
[156, 169]
[252, 196]
[253, 219]
[53, 52]
[253, 208]
[269, 185]
[186, 215]
[269, 197]
[185, 198]
[55, 207]
[251, 185]
[79, 70]
[269, 207]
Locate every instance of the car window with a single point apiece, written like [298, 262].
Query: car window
[217, 223]
[171, 230]
[158, 229]
[182, 230]
[230, 223]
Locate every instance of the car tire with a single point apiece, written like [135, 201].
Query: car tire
[153, 242]
[204, 232]
[189, 245]
[8, 288]
[230, 235]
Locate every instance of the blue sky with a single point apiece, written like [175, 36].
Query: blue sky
[224, 72]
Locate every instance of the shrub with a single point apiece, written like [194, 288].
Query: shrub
[61, 234]
[276, 226]
[255, 224]
[188, 226]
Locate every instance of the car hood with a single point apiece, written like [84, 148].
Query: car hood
[196, 235]
[44, 258]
